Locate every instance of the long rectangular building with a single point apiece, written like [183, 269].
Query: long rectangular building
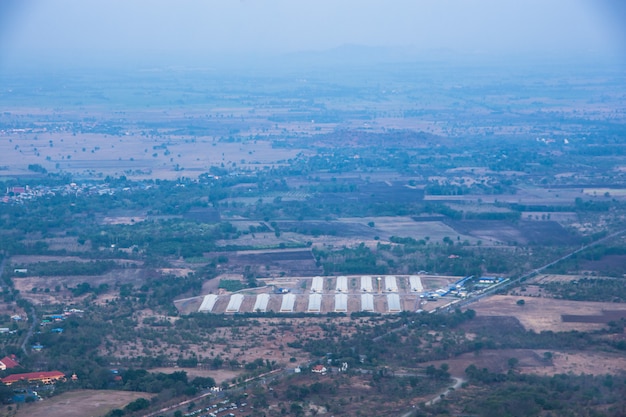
[44, 377]
[366, 284]
[342, 284]
[393, 302]
[208, 302]
[315, 303]
[234, 303]
[318, 284]
[288, 302]
[341, 303]
[260, 304]
[367, 302]
[390, 284]
[416, 283]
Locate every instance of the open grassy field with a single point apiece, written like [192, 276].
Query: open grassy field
[540, 313]
[133, 155]
[82, 403]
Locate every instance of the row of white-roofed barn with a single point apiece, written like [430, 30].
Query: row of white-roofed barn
[287, 302]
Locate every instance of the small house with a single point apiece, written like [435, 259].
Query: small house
[319, 369]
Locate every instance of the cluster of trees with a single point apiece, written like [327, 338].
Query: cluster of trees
[175, 237]
[351, 261]
[514, 394]
[402, 339]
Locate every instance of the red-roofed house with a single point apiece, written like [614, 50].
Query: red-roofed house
[43, 377]
[8, 362]
[319, 369]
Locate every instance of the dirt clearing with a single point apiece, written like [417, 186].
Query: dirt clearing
[81, 403]
[540, 314]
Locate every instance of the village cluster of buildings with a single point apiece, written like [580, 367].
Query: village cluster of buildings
[22, 193]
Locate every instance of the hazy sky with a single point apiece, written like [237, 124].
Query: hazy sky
[83, 30]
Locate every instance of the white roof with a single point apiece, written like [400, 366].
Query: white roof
[318, 284]
[315, 303]
[390, 284]
[393, 300]
[416, 283]
[367, 302]
[261, 303]
[208, 302]
[341, 302]
[342, 284]
[288, 301]
[366, 284]
[234, 303]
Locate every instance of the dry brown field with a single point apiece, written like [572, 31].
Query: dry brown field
[134, 155]
[539, 313]
[532, 361]
[82, 403]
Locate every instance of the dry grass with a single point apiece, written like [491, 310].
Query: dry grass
[540, 314]
[83, 403]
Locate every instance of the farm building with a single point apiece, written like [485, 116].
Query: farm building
[315, 303]
[42, 377]
[288, 302]
[261, 302]
[416, 283]
[8, 362]
[367, 302]
[208, 302]
[319, 369]
[318, 284]
[234, 303]
[342, 284]
[390, 284]
[341, 302]
[393, 300]
[366, 284]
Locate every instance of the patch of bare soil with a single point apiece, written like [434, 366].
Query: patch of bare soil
[539, 314]
[80, 404]
[546, 232]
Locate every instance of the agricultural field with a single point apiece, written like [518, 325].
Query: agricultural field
[186, 231]
[80, 403]
[547, 314]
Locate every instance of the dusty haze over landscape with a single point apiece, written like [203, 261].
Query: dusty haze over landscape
[70, 33]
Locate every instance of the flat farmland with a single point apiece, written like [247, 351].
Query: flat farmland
[134, 155]
[522, 232]
[524, 195]
[81, 403]
[539, 314]
[270, 262]
[404, 226]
